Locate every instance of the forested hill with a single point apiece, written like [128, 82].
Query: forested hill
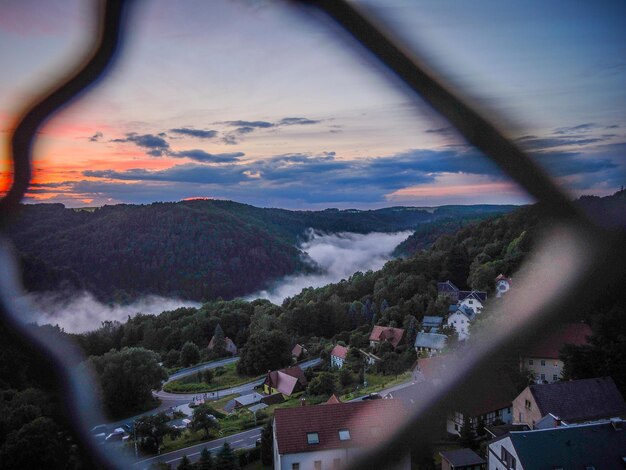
[199, 249]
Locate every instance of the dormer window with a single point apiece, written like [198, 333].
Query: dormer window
[344, 435]
[312, 438]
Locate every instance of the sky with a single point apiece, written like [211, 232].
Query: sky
[269, 104]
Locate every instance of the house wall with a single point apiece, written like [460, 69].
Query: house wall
[327, 457]
[525, 410]
[494, 452]
[502, 287]
[454, 422]
[431, 351]
[460, 323]
[552, 368]
[336, 362]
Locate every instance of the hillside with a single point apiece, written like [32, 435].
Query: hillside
[199, 249]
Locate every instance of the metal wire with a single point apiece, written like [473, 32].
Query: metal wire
[603, 250]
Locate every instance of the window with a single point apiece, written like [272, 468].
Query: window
[317, 465]
[530, 362]
[507, 458]
[456, 427]
[543, 362]
[295, 466]
[312, 438]
[528, 404]
[344, 435]
[336, 464]
[471, 302]
[555, 377]
[543, 377]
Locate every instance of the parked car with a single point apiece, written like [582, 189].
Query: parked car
[372, 396]
[116, 435]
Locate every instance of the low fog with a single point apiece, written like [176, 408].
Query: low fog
[337, 256]
[85, 313]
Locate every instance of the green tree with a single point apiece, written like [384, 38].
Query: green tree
[219, 341]
[189, 354]
[37, 444]
[151, 430]
[172, 358]
[185, 464]
[323, 384]
[226, 459]
[346, 377]
[468, 436]
[265, 350]
[205, 417]
[206, 460]
[127, 378]
[267, 444]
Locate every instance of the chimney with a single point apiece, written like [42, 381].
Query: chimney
[302, 401]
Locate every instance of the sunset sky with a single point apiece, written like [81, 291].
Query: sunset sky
[264, 103]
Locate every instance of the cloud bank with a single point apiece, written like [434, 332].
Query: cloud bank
[337, 256]
[85, 313]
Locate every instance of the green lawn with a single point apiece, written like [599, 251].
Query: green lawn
[375, 383]
[190, 384]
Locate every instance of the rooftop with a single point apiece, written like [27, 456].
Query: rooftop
[569, 333]
[459, 457]
[339, 351]
[387, 333]
[430, 340]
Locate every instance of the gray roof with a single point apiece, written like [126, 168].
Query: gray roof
[246, 400]
[580, 400]
[430, 340]
[463, 456]
[478, 295]
[258, 407]
[447, 286]
[433, 322]
[600, 445]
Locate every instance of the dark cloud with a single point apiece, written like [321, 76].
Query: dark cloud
[291, 121]
[156, 144]
[205, 157]
[257, 124]
[244, 129]
[230, 139]
[586, 127]
[440, 130]
[96, 137]
[201, 134]
[532, 142]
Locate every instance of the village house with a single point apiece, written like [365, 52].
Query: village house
[338, 356]
[542, 359]
[568, 402]
[331, 436]
[587, 447]
[491, 408]
[460, 319]
[298, 352]
[431, 324]
[388, 334]
[461, 459]
[228, 345]
[449, 290]
[429, 343]
[503, 285]
[288, 382]
[472, 299]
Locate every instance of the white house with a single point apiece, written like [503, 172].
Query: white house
[338, 356]
[460, 320]
[331, 436]
[430, 343]
[472, 299]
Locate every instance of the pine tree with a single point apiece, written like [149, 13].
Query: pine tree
[206, 460]
[184, 464]
[226, 459]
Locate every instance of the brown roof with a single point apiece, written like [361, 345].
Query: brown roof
[501, 277]
[339, 351]
[387, 333]
[297, 350]
[569, 333]
[333, 400]
[493, 399]
[368, 422]
[580, 400]
[286, 381]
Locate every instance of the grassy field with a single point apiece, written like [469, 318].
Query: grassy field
[194, 384]
[375, 383]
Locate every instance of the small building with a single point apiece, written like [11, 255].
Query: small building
[298, 352]
[503, 284]
[473, 299]
[587, 446]
[431, 343]
[228, 345]
[388, 334]
[431, 324]
[333, 400]
[338, 356]
[460, 320]
[369, 358]
[461, 459]
[542, 360]
[449, 290]
[247, 400]
[288, 382]
[569, 402]
[314, 437]
[494, 407]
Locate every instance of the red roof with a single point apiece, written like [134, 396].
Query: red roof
[369, 423]
[286, 381]
[569, 333]
[297, 350]
[339, 351]
[333, 400]
[432, 367]
[387, 333]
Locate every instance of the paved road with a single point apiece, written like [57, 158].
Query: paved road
[240, 389]
[209, 365]
[242, 440]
